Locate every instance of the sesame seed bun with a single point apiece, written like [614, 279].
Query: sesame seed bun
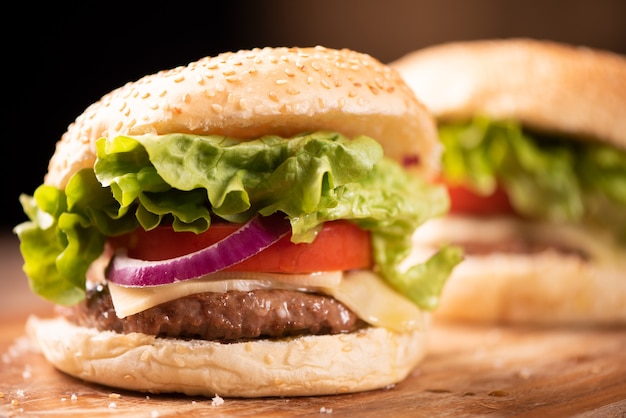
[247, 94]
[575, 92]
[547, 86]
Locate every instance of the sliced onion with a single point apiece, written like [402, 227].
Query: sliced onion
[252, 238]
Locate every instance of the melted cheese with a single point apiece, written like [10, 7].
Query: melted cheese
[363, 292]
[131, 300]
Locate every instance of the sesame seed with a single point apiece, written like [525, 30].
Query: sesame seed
[243, 104]
[187, 98]
[118, 126]
[325, 84]
[252, 70]
[273, 96]
[217, 108]
[232, 78]
[281, 82]
[352, 93]
[179, 79]
[289, 72]
[132, 123]
[163, 93]
[341, 103]
[316, 65]
[229, 73]
[373, 89]
[293, 91]
[309, 80]
[259, 109]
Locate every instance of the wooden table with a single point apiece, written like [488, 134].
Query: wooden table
[470, 371]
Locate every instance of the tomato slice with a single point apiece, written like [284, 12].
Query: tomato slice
[464, 200]
[340, 245]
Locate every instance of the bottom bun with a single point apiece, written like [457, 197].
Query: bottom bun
[542, 288]
[305, 366]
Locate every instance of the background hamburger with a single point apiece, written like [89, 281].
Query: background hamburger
[535, 163]
[241, 226]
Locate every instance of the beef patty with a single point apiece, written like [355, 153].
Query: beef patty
[226, 317]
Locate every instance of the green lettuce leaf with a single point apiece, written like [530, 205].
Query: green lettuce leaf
[187, 180]
[546, 178]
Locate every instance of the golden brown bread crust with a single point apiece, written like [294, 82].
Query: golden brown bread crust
[247, 94]
[545, 85]
[313, 365]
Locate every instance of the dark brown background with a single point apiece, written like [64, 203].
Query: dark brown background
[57, 60]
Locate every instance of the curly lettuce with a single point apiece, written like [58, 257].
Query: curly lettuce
[187, 181]
[546, 178]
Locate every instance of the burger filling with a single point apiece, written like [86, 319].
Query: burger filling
[273, 189]
[572, 187]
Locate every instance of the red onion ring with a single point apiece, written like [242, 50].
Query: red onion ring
[253, 237]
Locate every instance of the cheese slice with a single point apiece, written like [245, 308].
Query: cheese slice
[364, 292]
[131, 300]
[367, 295]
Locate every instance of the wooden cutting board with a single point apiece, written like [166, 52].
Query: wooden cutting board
[470, 371]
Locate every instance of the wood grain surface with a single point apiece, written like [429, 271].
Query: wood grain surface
[470, 371]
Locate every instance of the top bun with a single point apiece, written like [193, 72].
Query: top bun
[250, 93]
[546, 86]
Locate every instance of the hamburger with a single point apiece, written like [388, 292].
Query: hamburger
[241, 226]
[534, 159]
